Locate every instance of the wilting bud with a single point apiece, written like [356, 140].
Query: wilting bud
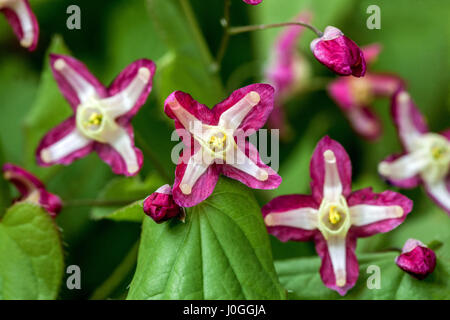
[31, 189]
[160, 205]
[339, 53]
[416, 259]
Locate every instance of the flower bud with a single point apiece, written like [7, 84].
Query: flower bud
[160, 205]
[339, 53]
[416, 259]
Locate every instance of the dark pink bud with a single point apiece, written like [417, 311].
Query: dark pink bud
[339, 53]
[416, 259]
[31, 189]
[160, 205]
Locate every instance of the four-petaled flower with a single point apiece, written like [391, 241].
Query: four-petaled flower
[252, 2]
[416, 259]
[32, 189]
[334, 216]
[355, 95]
[102, 115]
[339, 53]
[22, 20]
[426, 156]
[215, 142]
[287, 72]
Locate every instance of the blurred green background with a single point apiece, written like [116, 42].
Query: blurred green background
[414, 33]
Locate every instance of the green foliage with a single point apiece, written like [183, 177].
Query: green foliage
[31, 256]
[188, 66]
[221, 252]
[302, 280]
[126, 190]
[48, 110]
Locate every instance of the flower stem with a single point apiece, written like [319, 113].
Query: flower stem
[119, 274]
[242, 29]
[226, 34]
[97, 202]
[154, 160]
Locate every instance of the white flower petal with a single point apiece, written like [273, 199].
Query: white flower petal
[124, 145]
[332, 186]
[363, 214]
[338, 256]
[405, 167]
[64, 147]
[232, 118]
[304, 218]
[125, 100]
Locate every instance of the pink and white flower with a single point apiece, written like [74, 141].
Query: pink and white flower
[355, 95]
[416, 259]
[339, 53]
[215, 142]
[31, 189]
[288, 71]
[101, 120]
[22, 20]
[426, 156]
[334, 216]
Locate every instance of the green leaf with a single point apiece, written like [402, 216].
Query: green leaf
[301, 278]
[221, 252]
[126, 190]
[31, 256]
[295, 169]
[18, 85]
[189, 65]
[49, 109]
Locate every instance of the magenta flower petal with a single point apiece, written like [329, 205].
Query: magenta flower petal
[74, 80]
[389, 199]
[326, 269]
[252, 2]
[32, 189]
[215, 140]
[416, 259]
[102, 116]
[317, 167]
[384, 84]
[333, 217]
[277, 209]
[339, 53]
[365, 122]
[122, 82]
[288, 68]
[407, 118]
[257, 116]
[341, 92]
[252, 154]
[63, 145]
[23, 22]
[203, 186]
[113, 155]
[371, 52]
[160, 205]
[446, 133]
[191, 107]
[440, 193]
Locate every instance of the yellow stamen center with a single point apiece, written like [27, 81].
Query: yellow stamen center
[360, 89]
[95, 119]
[216, 143]
[334, 215]
[437, 152]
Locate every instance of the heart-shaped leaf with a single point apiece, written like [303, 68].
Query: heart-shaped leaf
[221, 252]
[31, 255]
